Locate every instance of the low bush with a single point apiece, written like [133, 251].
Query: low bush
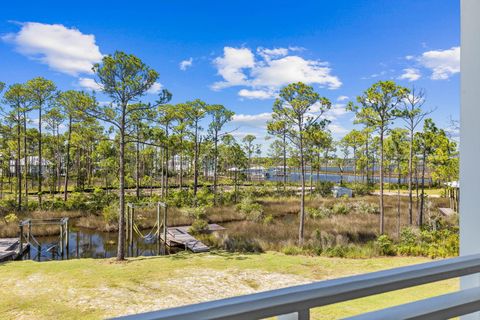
[268, 219]
[341, 208]
[180, 198]
[236, 243]
[324, 188]
[319, 213]
[366, 207]
[429, 243]
[110, 213]
[252, 210]
[11, 218]
[360, 189]
[199, 226]
[196, 213]
[385, 245]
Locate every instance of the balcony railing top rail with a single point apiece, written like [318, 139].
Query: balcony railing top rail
[300, 299]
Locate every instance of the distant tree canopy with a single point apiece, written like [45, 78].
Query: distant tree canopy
[129, 142]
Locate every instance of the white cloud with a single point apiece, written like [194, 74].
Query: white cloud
[155, 88]
[410, 74]
[268, 54]
[256, 94]
[337, 129]
[230, 66]
[63, 49]
[342, 98]
[252, 120]
[337, 110]
[269, 70]
[290, 69]
[89, 83]
[442, 63]
[185, 64]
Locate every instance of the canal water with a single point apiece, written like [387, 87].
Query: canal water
[86, 243]
[271, 175]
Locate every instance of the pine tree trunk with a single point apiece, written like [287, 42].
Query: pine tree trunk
[121, 218]
[195, 164]
[410, 178]
[301, 230]
[284, 162]
[382, 208]
[422, 196]
[67, 164]
[398, 200]
[40, 164]
[18, 165]
[137, 168]
[25, 158]
[215, 160]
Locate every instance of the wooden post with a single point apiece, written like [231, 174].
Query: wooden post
[21, 237]
[67, 235]
[61, 239]
[127, 224]
[165, 224]
[158, 223]
[132, 217]
[29, 231]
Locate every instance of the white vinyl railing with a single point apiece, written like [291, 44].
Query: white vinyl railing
[296, 302]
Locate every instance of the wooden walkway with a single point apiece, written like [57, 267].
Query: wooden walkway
[446, 211]
[179, 236]
[9, 249]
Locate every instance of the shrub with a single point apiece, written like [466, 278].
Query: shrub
[197, 213]
[180, 198]
[204, 197]
[11, 218]
[268, 219]
[341, 208]
[324, 188]
[409, 236]
[253, 211]
[77, 201]
[235, 243]
[319, 213]
[367, 208]
[226, 197]
[292, 250]
[199, 226]
[361, 189]
[385, 245]
[7, 205]
[110, 213]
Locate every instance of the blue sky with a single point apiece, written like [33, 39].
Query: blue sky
[240, 53]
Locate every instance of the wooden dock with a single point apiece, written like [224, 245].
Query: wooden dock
[179, 236]
[10, 249]
[447, 211]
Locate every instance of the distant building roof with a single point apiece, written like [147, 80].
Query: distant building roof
[453, 184]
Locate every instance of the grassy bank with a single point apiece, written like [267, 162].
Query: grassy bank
[91, 289]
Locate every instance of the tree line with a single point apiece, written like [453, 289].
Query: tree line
[76, 142]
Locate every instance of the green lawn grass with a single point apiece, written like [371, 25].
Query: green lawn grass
[91, 289]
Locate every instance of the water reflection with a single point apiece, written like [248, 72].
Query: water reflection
[86, 243]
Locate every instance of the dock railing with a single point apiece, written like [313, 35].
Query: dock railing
[295, 302]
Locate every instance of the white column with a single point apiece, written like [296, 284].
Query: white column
[470, 136]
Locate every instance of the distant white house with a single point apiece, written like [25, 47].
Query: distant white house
[174, 163]
[256, 173]
[33, 165]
